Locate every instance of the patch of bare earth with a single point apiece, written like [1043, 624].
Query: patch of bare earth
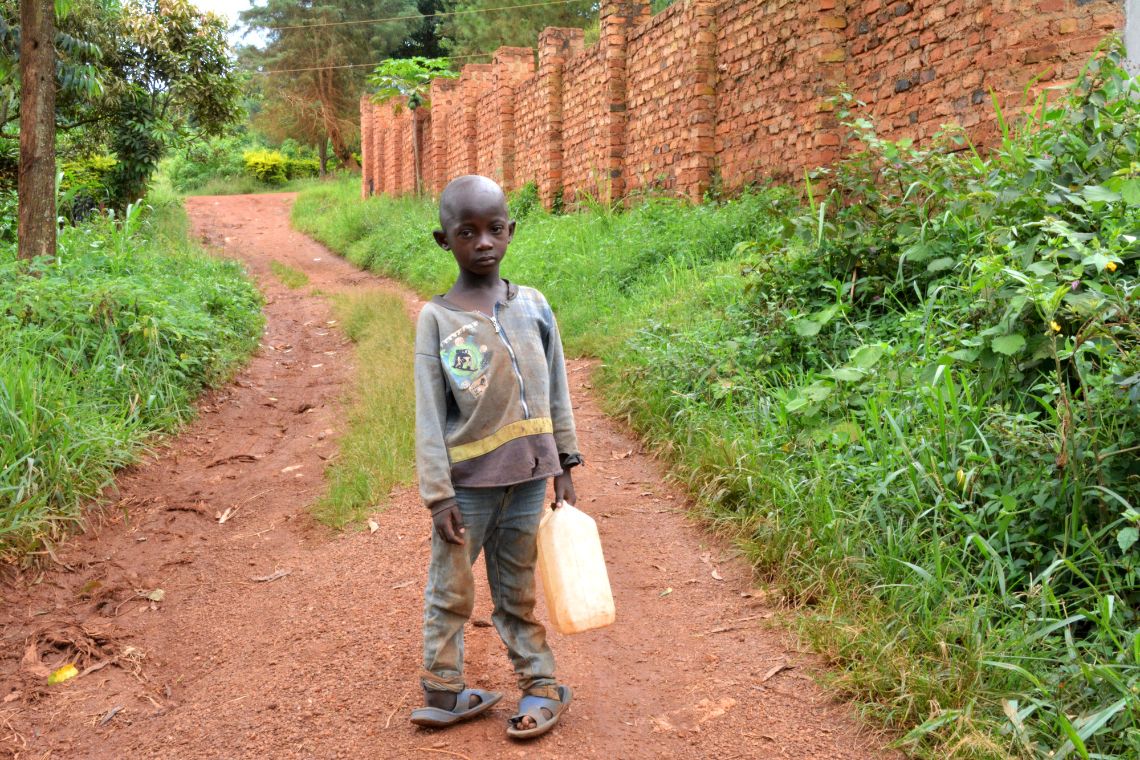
[265, 635]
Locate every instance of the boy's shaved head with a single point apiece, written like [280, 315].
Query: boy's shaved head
[468, 192]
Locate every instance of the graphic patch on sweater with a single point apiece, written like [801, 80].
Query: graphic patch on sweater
[466, 361]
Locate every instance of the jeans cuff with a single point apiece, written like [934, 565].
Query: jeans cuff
[546, 690]
[431, 682]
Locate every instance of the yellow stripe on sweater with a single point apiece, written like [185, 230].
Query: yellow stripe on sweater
[505, 434]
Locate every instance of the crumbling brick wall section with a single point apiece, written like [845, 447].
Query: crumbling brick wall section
[732, 90]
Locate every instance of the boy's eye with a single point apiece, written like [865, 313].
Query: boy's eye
[497, 229]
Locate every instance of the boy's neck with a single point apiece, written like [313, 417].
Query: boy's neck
[478, 292]
[472, 282]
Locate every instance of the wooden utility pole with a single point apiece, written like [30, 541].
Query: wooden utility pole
[36, 189]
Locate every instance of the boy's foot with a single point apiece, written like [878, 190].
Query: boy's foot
[447, 708]
[537, 715]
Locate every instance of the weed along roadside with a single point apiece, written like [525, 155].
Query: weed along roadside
[915, 403]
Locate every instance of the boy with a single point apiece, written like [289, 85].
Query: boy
[493, 422]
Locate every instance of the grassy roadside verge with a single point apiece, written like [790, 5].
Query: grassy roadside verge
[378, 450]
[917, 405]
[100, 350]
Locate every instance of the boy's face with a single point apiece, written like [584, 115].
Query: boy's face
[477, 230]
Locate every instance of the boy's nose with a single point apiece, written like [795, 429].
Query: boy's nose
[484, 242]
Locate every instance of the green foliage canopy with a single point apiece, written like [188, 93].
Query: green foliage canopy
[134, 77]
[408, 78]
[476, 27]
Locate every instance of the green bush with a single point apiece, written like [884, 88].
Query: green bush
[302, 168]
[99, 349]
[268, 166]
[206, 161]
[86, 184]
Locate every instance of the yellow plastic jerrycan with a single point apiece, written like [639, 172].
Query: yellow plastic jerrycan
[573, 570]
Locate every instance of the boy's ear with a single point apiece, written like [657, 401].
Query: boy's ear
[511, 228]
[441, 238]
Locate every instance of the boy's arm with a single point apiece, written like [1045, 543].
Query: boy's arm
[562, 415]
[432, 464]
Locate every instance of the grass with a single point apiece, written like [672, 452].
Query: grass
[102, 349]
[246, 185]
[290, 277]
[378, 450]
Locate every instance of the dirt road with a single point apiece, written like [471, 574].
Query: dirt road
[269, 636]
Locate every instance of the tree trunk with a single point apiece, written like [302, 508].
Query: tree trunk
[344, 153]
[36, 227]
[323, 154]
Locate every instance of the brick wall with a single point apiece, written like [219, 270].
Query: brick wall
[583, 97]
[924, 63]
[670, 92]
[739, 87]
[778, 61]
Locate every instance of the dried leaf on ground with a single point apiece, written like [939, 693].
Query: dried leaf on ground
[373, 526]
[271, 577]
[233, 458]
[157, 595]
[774, 670]
[107, 716]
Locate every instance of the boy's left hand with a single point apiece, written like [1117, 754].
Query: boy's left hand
[564, 489]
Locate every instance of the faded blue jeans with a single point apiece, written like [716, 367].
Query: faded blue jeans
[503, 524]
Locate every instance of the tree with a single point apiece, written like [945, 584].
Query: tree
[409, 78]
[477, 27]
[36, 230]
[174, 80]
[134, 77]
[321, 48]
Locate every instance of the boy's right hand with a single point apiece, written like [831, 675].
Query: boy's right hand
[448, 523]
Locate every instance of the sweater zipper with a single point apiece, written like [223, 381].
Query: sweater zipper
[514, 362]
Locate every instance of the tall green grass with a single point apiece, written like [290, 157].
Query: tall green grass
[378, 449]
[101, 348]
[915, 403]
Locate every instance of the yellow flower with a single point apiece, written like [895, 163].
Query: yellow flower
[961, 478]
[1055, 327]
[1110, 266]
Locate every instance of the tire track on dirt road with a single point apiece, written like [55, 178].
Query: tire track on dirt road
[321, 662]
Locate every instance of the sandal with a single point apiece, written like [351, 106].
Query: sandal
[544, 712]
[437, 717]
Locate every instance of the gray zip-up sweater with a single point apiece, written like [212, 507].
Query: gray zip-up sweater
[492, 401]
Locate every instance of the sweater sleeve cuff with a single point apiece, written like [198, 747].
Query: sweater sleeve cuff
[570, 460]
[442, 504]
